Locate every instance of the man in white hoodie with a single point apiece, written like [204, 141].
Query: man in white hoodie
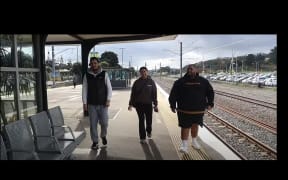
[96, 97]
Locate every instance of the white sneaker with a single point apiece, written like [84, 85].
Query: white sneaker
[143, 141]
[195, 144]
[184, 147]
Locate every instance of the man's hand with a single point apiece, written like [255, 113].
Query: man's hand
[156, 109]
[173, 110]
[209, 108]
[107, 103]
[85, 107]
[129, 108]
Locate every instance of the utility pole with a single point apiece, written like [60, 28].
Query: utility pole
[122, 55]
[203, 65]
[130, 62]
[181, 59]
[181, 54]
[242, 66]
[236, 64]
[232, 63]
[53, 66]
[160, 70]
[77, 54]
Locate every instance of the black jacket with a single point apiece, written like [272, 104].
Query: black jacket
[97, 90]
[144, 91]
[191, 94]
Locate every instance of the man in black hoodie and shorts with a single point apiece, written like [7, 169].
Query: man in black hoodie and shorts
[192, 94]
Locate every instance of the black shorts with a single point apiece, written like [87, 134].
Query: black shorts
[186, 120]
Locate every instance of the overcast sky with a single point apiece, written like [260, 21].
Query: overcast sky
[195, 48]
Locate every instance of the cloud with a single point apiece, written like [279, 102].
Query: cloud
[195, 48]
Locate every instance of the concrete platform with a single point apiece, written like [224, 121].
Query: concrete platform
[123, 137]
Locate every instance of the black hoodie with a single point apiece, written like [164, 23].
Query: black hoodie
[191, 94]
[144, 91]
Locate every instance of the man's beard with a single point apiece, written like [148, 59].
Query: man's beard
[192, 76]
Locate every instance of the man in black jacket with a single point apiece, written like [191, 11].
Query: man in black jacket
[193, 94]
[143, 94]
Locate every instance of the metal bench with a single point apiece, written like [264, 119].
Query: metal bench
[21, 145]
[62, 131]
[45, 141]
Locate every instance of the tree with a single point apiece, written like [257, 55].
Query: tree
[250, 59]
[77, 69]
[3, 57]
[69, 65]
[273, 55]
[25, 60]
[260, 57]
[104, 64]
[165, 69]
[110, 57]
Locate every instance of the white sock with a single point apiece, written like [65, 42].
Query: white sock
[185, 143]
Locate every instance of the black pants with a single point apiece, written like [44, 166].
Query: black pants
[144, 111]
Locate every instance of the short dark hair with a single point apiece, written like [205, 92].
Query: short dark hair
[95, 58]
[143, 67]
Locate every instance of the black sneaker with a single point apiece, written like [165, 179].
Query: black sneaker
[94, 146]
[104, 140]
[143, 141]
[149, 135]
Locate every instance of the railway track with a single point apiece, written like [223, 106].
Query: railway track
[247, 99]
[244, 145]
[246, 140]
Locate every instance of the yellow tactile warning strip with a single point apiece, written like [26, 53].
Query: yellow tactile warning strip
[193, 154]
[170, 120]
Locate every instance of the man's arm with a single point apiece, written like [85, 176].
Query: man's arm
[84, 90]
[84, 93]
[132, 95]
[109, 87]
[154, 95]
[172, 98]
[210, 95]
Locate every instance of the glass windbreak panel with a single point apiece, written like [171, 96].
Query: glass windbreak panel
[25, 51]
[6, 42]
[116, 74]
[7, 97]
[1, 122]
[124, 75]
[27, 88]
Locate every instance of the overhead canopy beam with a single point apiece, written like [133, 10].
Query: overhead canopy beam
[105, 38]
[77, 37]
